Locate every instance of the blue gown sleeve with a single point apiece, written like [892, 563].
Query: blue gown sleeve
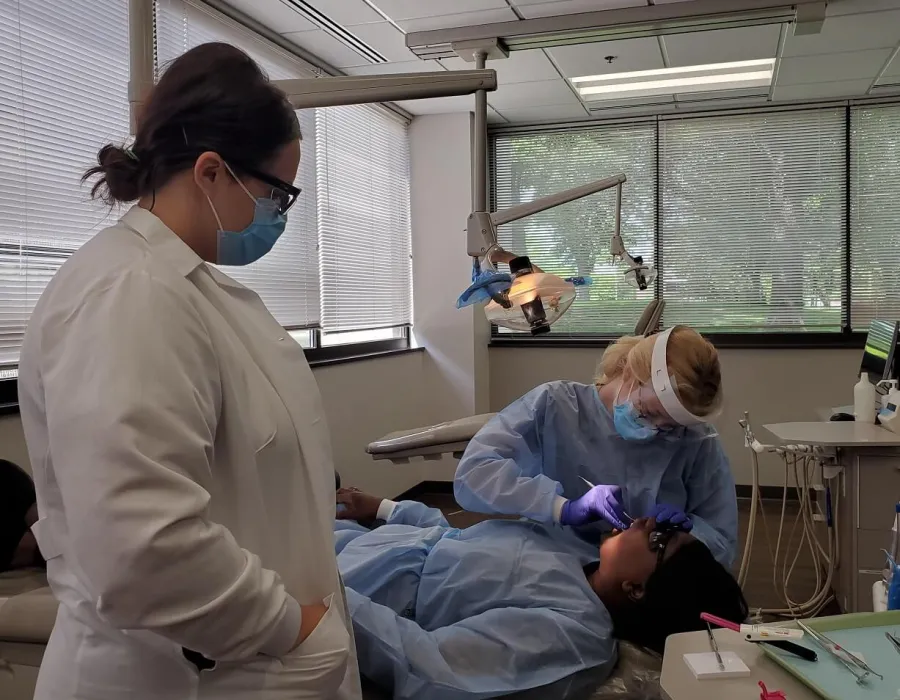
[416, 514]
[712, 502]
[501, 470]
[495, 653]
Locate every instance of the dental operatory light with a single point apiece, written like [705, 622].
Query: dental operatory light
[676, 81]
[534, 301]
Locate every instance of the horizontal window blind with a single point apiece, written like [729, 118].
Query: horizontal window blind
[63, 95]
[573, 239]
[752, 221]
[875, 215]
[287, 278]
[364, 224]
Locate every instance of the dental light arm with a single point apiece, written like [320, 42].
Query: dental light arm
[482, 226]
[308, 93]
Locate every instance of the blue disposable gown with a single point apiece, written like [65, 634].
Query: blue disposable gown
[446, 614]
[539, 447]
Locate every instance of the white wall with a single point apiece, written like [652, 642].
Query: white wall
[774, 385]
[457, 362]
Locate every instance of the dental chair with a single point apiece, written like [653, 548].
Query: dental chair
[27, 614]
[451, 437]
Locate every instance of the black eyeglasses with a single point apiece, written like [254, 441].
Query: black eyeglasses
[659, 540]
[284, 193]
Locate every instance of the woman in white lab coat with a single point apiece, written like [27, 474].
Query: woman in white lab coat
[182, 463]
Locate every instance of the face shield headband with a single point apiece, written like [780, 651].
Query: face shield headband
[664, 385]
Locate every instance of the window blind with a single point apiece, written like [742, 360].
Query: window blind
[752, 221]
[287, 278]
[875, 214]
[364, 220]
[63, 95]
[573, 239]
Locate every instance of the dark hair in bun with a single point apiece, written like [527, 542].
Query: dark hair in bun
[212, 98]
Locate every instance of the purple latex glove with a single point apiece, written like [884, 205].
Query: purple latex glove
[663, 513]
[600, 503]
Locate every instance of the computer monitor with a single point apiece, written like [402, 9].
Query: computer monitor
[880, 356]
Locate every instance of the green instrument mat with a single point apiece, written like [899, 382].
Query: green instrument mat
[861, 633]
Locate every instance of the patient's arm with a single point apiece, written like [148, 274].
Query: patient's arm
[495, 653]
[362, 507]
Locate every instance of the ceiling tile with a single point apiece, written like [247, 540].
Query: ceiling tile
[590, 5]
[458, 20]
[853, 65]
[402, 67]
[542, 8]
[275, 15]
[346, 11]
[439, 105]
[544, 113]
[520, 67]
[633, 102]
[838, 8]
[875, 30]
[811, 91]
[723, 95]
[621, 112]
[714, 105]
[415, 9]
[326, 47]
[385, 38]
[589, 59]
[544, 92]
[893, 69]
[722, 45]
[494, 117]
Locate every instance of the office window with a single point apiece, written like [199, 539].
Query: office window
[573, 239]
[744, 214]
[364, 220]
[287, 278]
[752, 221]
[875, 214]
[63, 95]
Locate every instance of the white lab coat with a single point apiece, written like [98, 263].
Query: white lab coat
[185, 482]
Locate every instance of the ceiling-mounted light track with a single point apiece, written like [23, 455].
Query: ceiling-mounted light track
[337, 31]
[627, 23]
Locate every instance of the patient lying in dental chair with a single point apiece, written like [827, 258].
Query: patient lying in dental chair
[18, 512]
[506, 606]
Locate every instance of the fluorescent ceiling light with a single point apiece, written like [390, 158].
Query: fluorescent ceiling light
[676, 81]
[709, 67]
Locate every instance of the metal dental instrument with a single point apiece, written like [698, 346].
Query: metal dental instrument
[859, 668]
[715, 646]
[893, 640]
[630, 518]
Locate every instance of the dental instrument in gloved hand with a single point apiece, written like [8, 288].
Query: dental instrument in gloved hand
[600, 503]
[666, 514]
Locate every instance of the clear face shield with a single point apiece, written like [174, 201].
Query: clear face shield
[655, 409]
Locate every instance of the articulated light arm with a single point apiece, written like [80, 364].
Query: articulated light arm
[307, 93]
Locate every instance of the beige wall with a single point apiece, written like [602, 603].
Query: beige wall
[456, 362]
[774, 385]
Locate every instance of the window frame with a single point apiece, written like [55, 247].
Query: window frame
[846, 337]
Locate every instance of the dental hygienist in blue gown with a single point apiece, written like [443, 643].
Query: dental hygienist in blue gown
[635, 443]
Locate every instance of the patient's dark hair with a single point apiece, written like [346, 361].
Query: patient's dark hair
[690, 582]
[16, 497]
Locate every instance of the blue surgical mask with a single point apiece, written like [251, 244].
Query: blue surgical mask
[248, 246]
[628, 422]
